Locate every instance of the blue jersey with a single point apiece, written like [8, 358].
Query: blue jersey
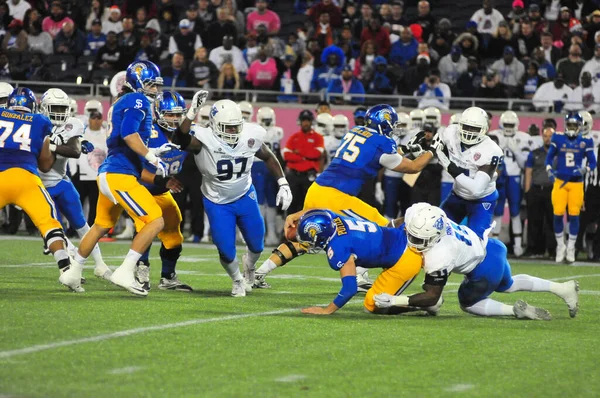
[174, 159]
[356, 160]
[21, 139]
[371, 245]
[129, 114]
[570, 153]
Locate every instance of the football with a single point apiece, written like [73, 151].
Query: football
[290, 233]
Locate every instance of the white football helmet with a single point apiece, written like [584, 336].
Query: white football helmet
[227, 121]
[247, 110]
[340, 126]
[433, 115]
[56, 104]
[74, 108]
[473, 125]
[265, 117]
[509, 123]
[5, 90]
[204, 116]
[424, 226]
[403, 125]
[588, 122]
[324, 124]
[417, 118]
[92, 105]
[454, 119]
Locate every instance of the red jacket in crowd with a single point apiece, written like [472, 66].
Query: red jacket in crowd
[303, 151]
[381, 38]
[335, 13]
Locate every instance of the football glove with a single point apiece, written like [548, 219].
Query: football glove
[161, 167]
[164, 148]
[582, 171]
[197, 101]
[550, 173]
[284, 195]
[86, 147]
[385, 300]
[379, 194]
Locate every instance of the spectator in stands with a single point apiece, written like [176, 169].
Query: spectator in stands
[491, 86]
[351, 89]
[228, 53]
[159, 42]
[469, 82]
[501, 38]
[332, 60]
[433, 92]
[203, 73]
[5, 18]
[228, 80]
[113, 22]
[57, 18]
[383, 80]
[146, 52]
[264, 16]
[5, 70]
[251, 51]
[540, 25]
[397, 15]
[352, 46]
[366, 13]
[205, 12]
[32, 15]
[404, 49]
[15, 39]
[552, 95]
[364, 65]
[415, 75]
[531, 81]
[423, 47]
[175, 75]
[379, 36]
[18, 8]
[109, 56]
[510, 71]
[185, 41]
[275, 44]
[287, 78]
[306, 72]
[39, 41]
[586, 95]
[560, 28]
[551, 52]
[424, 19]
[98, 11]
[36, 70]
[128, 40]
[591, 28]
[593, 65]
[468, 43]
[262, 73]
[168, 15]
[220, 28]
[571, 66]
[516, 15]
[140, 21]
[545, 69]
[349, 13]
[487, 18]
[323, 31]
[197, 24]
[235, 16]
[95, 38]
[335, 13]
[452, 66]
[69, 41]
[527, 40]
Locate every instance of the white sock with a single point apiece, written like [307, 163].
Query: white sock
[528, 283]
[518, 241]
[79, 258]
[131, 260]
[263, 210]
[271, 215]
[233, 269]
[489, 307]
[70, 245]
[96, 254]
[252, 258]
[206, 226]
[516, 225]
[498, 227]
[266, 267]
[560, 239]
[571, 242]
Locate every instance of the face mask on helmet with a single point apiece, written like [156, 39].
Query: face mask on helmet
[417, 123]
[572, 128]
[57, 114]
[266, 122]
[509, 129]
[3, 102]
[170, 120]
[339, 130]
[469, 134]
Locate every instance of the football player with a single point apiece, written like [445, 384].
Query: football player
[25, 147]
[587, 130]
[350, 243]
[447, 180]
[247, 110]
[363, 152]
[417, 118]
[55, 105]
[204, 116]
[5, 90]
[570, 149]
[130, 126]
[516, 146]
[482, 262]
[263, 181]
[224, 154]
[433, 116]
[471, 158]
[168, 112]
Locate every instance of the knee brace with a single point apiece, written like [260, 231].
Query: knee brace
[170, 254]
[54, 235]
[293, 251]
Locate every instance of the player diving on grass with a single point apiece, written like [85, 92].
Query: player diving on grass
[55, 104]
[130, 127]
[447, 247]
[362, 153]
[224, 154]
[26, 146]
[569, 149]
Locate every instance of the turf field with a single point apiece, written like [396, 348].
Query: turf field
[108, 343]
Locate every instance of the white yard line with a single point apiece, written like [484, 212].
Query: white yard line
[290, 378]
[125, 370]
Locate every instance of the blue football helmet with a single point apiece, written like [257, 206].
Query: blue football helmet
[573, 124]
[142, 75]
[315, 230]
[22, 99]
[168, 110]
[381, 118]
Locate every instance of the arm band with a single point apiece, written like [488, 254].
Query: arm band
[181, 139]
[161, 181]
[349, 289]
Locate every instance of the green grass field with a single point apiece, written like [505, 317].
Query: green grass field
[108, 343]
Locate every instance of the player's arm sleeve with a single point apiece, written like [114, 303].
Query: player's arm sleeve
[551, 154]
[591, 157]
[476, 184]
[390, 161]
[347, 270]
[529, 161]
[132, 119]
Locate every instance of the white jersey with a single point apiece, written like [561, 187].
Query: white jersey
[331, 146]
[514, 163]
[466, 248]
[273, 139]
[88, 164]
[72, 128]
[403, 140]
[481, 154]
[595, 136]
[225, 170]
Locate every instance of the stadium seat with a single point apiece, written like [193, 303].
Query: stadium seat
[59, 59]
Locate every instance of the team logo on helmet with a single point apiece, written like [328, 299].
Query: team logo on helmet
[213, 111]
[312, 229]
[139, 68]
[251, 142]
[582, 145]
[386, 116]
[439, 224]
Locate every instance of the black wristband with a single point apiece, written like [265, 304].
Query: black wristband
[161, 181]
[454, 170]
[181, 139]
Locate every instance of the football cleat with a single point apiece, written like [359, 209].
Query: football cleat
[249, 274]
[125, 279]
[259, 282]
[102, 271]
[238, 289]
[173, 284]
[561, 251]
[70, 276]
[570, 255]
[363, 281]
[522, 310]
[142, 275]
[570, 294]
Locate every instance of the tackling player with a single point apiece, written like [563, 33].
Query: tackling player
[448, 247]
[25, 147]
[570, 149]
